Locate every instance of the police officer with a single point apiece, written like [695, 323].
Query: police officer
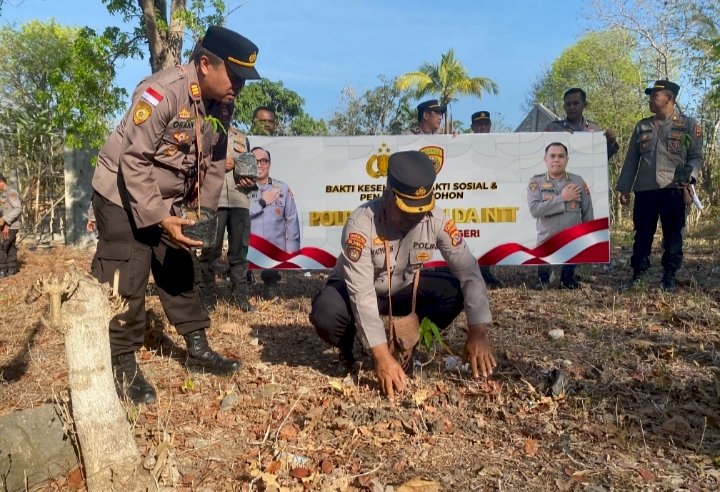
[273, 215]
[430, 115]
[481, 123]
[574, 103]
[264, 121]
[233, 215]
[165, 154]
[10, 222]
[663, 156]
[558, 200]
[405, 222]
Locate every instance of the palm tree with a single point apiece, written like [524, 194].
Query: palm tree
[448, 79]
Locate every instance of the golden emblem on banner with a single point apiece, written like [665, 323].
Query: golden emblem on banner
[377, 164]
[436, 154]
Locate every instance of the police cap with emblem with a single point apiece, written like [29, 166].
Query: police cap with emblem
[480, 115]
[431, 105]
[238, 52]
[411, 176]
[664, 85]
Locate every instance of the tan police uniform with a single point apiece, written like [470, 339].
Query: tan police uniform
[418, 131]
[147, 168]
[553, 214]
[233, 215]
[357, 289]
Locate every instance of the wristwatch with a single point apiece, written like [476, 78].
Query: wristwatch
[262, 203]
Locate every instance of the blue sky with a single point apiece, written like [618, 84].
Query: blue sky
[317, 47]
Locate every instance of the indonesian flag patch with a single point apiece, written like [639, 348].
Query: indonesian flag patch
[152, 96]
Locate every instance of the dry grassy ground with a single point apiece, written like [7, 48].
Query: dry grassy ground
[641, 412]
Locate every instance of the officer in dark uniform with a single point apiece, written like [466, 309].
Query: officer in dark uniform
[430, 115]
[481, 123]
[663, 156]
[405, 222]
[574, 103]
[165, 155]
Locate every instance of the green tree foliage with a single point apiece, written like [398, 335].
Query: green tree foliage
[448, 79]
[287, 104]
[384, 109]
[162, 25]
[61, 77]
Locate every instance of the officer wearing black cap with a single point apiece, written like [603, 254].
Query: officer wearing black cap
[663, 157]
[430, 115]
[407, 224]
[163, 157]
[574, 104]
[481, 122]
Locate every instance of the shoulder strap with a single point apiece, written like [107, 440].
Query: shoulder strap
[416, 281]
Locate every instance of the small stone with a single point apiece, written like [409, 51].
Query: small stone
[556, 333]
[230, 401]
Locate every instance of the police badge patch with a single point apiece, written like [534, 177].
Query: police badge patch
[355, 244]
[452, 231]
[142, 113]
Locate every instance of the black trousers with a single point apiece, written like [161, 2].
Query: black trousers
[134, 253]
[438, 297]
[8, 250]
[237, 222]
[669, 205]
[544, 272]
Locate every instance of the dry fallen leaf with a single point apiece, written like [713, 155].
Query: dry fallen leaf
[273, 467]
[327, 466]
[300, 472]
[74, 478]
[647, 474]
[418, 484]
[289, 432]
[531, 447]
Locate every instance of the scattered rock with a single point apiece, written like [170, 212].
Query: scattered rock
[230, 401]
[556, 333]
[34, 447]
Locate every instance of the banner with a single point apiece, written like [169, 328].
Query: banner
[482, 184]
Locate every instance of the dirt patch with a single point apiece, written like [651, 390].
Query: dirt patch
[640, 409]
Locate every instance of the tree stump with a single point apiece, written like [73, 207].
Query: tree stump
[107, 446]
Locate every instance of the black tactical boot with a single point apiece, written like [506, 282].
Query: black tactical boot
[568, 280]
[12, 270]
[490, 279]
[201, 355]
[543, 275]
[3, 272]
[637, 275]
[127, 373]
[668, 281]
[348, 362]
[240, 296]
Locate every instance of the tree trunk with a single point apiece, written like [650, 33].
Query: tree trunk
[107, 445]
[164, 44]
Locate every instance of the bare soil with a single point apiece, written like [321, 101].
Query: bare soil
[640, 410]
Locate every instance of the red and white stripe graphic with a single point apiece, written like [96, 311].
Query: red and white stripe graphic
[152, 96]
[584, 243]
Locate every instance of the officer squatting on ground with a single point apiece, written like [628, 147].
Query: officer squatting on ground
[406, 223]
